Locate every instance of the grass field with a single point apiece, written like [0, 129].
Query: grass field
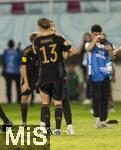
[86, 138]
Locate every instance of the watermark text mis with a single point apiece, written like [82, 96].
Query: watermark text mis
[32, 135]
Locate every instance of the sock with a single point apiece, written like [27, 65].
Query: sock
[24, 110]
[67, 111]
[58, 116]
[3, 116]
[46, 115]
[42, 115]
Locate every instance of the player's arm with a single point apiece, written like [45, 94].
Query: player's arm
[71, 53]
[68, 51]
[24, 74]
[25, 86]
[67, 48]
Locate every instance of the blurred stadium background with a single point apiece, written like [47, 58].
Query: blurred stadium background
[73, 18]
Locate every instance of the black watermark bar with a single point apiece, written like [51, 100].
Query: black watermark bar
[17, 137]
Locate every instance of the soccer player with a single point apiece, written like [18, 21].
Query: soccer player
[99, 71]
[49, 47]
[65, 102]
[30, 70]
[7, 122]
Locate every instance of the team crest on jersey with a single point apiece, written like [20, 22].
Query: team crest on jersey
[24, 59]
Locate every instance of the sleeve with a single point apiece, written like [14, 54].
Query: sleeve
[24, 58]
[66, 45]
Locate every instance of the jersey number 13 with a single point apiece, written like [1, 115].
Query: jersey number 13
[53, 53]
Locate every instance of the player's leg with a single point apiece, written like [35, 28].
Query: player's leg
[42, 123]
[45, 111]
[24, 106]
[58, 116]
[68, 116]
[57, 94]
[67, 110]
[32, 98]
[45, 108]
[5, 119]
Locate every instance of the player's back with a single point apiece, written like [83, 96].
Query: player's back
[49, 49]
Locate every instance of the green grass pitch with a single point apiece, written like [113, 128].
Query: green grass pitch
[86, 138]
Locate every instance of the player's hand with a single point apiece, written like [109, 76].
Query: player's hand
[24, 87]
[65, 55]
[74, 51]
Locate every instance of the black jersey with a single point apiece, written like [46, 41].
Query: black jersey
[31, 61]
[49, 49]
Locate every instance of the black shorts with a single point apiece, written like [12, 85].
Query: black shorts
[53, 89]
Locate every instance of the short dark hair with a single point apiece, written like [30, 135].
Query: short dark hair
[43, 23]
[96, 28]
[33, 36]
[11, 43]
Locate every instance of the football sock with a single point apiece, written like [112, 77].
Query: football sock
[42, 115]
[24, 110]
[45, 111]
[58, 116]
[67, 111]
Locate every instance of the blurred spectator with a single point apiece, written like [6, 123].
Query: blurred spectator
[11, 69]
[19, 47]
[73, 6]
[18, 8]
[74, 82]
[83, 61]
